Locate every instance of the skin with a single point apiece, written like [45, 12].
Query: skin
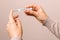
[14, 26]
[37, 12]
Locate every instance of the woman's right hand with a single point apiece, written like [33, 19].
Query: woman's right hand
[37, 12]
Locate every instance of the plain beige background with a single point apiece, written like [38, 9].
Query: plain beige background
[33, 30]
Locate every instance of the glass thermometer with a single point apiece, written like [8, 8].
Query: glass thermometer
[22, 9]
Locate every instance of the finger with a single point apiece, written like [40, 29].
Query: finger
[33, 6]
[18, 22]
[11, 14]
[30, 12]
[19, 26]
[16, 16]
[11, 19]
[8, 26]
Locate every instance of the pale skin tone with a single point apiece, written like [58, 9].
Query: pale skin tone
[14, 26]
[37, 12]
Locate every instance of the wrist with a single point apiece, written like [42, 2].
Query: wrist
[43, 19]
[13, 36]
[16, 38]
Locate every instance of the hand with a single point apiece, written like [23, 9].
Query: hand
[37, 12]
[14, 26]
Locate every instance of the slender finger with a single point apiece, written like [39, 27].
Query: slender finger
[11, 19]
[11, 14]
[33, 6]
[16, 16]
[30, 12]
[20, 26]
[18, 22]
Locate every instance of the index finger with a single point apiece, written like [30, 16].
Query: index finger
[11, 14]
[33, 6]
[11, 19]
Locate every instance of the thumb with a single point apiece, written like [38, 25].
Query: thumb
[18, 22]
[30, 12]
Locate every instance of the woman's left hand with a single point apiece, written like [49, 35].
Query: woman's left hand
[14, 26]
